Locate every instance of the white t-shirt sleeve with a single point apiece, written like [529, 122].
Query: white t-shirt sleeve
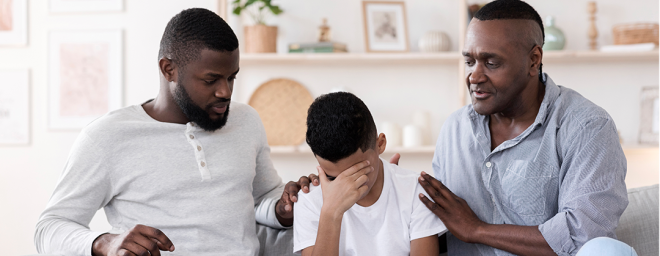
[306, 217]
[423, 222]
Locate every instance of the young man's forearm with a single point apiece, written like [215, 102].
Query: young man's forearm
[327, 238]
[520, 240]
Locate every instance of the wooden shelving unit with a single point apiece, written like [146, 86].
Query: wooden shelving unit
[304, 149]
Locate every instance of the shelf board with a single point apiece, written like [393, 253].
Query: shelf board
[593, 56]
[429, 58]
[351, 58]
[304, 149]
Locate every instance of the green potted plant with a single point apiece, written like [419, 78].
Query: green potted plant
[260, 37]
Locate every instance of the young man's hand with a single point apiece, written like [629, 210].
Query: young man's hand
[344, 191]
[140, 240]
[284, 207]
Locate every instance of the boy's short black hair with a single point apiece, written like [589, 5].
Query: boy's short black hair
[192, 30]
[338, 124]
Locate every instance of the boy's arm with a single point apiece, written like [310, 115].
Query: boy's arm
[425, 246]
[327, 239]
[339, 195]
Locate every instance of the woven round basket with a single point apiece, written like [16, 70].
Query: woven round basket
[282, 105]
[635, 33]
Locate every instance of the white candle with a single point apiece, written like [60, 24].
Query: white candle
[392, 133]
[412, 136]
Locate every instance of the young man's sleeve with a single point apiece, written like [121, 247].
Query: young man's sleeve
[83, 188]
[267, 186]
[306, 217]
[423, 222]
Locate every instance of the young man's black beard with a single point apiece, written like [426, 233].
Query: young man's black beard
[196, 114]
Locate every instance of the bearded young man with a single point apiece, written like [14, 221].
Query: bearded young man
[530, 167]
[178, 172]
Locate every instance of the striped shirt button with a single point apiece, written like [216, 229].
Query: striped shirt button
[488, 164]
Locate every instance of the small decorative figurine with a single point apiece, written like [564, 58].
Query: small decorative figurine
[593, 32]
[324, 32]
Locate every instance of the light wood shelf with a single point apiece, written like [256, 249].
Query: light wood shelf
[431, 58]
[350, 58]
[304, 149]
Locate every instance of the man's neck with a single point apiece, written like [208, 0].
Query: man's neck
[509, 124]
[164, 109]
[376, 190]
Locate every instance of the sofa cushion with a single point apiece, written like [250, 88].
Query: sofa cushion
[275, 242]
[638, 226]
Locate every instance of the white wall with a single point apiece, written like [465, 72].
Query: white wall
[29, 173]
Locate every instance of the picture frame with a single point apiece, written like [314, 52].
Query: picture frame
[385, 26]
[66, 6]
[648, 127]
[13, 22]
[85, 76]
[14, 107]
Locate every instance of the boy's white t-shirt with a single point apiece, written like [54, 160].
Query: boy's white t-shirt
[384, 228]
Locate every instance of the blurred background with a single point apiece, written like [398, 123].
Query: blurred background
[65, 62]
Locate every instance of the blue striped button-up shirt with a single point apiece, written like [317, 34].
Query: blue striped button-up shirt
[565, 173]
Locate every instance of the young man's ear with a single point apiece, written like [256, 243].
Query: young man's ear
[167, 68]
[381, 143]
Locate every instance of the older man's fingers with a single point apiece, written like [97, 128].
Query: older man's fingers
[292, 189]
[432, 191]
[435, 208]
[314, 178]
[303, 182]
[438, 185]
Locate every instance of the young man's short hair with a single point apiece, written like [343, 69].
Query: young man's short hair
[192, 30]
[338, 124]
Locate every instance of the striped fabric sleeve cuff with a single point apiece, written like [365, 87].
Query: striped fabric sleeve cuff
[556, 233]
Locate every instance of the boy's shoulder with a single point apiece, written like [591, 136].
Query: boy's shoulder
[400, 176]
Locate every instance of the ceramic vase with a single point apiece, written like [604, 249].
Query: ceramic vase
[434, 41]
[554, 37]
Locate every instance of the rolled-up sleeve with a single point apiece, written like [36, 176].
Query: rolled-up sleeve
[592, 194]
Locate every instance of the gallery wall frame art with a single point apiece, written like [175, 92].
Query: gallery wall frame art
[385, 26]
[13, 22]
[85, 76]
[14, 107]
[67, 6]
[648, 127]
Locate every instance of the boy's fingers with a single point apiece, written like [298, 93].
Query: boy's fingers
[355, 168]
[361, 181]
[322, 177]
[363, 171]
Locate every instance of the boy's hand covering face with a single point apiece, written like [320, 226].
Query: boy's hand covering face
[346, 189]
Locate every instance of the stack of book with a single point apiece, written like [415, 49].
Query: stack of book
[317, 47]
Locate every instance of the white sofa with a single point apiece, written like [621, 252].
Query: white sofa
[638, 227]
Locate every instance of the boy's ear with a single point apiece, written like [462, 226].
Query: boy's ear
[381, 143]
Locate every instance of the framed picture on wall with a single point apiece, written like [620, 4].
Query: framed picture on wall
[85, 76]
[14, 107]
[59, 6]
[648, 127]
[385, 26]
[13, 22]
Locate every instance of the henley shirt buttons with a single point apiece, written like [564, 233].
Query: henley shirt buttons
[199, 148]
[488, 164]
[203, 164]
[192, 137]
